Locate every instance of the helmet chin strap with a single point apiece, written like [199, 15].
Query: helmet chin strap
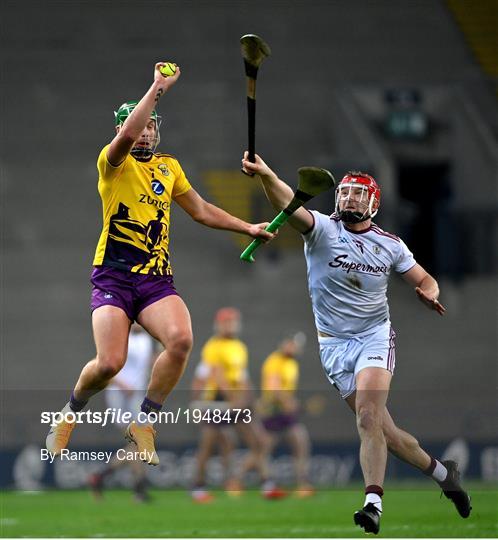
[141, 153]
[353, 217]
[145, 153]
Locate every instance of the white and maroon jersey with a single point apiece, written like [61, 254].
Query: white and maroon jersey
[348, 273]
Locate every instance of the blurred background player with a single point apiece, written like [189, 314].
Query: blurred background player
[226, 382]
[280, 408]
[132, 276]
[212, 436]
[125, 392]
[349, 260]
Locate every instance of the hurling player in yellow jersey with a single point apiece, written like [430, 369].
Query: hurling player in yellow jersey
[279, 406]
[132, 277]
[226, 387]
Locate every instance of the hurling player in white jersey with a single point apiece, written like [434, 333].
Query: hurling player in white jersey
[125, 393]
[349, 260]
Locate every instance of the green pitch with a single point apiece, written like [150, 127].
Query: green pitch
[409, 512]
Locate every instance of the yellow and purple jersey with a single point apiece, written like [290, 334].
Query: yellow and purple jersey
[285, 368]
[136, 201]
[231, 356]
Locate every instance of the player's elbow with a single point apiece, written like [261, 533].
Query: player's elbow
[202, 215]
[127, 135]
[199, 217]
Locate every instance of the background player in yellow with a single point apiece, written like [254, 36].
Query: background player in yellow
[227, 386]
[132, 277]
[280, 408]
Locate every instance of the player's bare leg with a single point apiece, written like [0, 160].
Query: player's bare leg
[372, 386]
[96, 480]
[167, 320]
[299, 441]
[446, 474]
[256, 439]
[406, 447]
[226, 444]
[111, 327]
[206, 446]
[372, 389]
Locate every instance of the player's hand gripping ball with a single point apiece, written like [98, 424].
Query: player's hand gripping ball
[168, 69]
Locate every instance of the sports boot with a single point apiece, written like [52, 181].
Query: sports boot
[453, 490]
[143, 437]
[368, 518]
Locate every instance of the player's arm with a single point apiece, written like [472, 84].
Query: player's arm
[210, 215]
[131, 130]
[244, 394]
[221, 382]
[426, 287]
[273, 383]
[278, 193]
[197, 386]
[201, 377]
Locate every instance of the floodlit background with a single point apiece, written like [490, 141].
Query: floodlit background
[404, 90]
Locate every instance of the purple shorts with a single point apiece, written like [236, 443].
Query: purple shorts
[279, 422]
[130, 291]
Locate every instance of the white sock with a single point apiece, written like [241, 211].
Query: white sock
[67, 408]
[375, 499]
[268, 485]
[440, 472]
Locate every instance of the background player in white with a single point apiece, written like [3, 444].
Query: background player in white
[349, 260]
[125, 393]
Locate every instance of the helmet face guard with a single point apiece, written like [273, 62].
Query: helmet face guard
[139, 151]
[357, 197]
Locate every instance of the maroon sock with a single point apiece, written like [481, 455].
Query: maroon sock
[431, 467]
[374, 489]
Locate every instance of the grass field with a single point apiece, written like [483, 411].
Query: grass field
[408, 512]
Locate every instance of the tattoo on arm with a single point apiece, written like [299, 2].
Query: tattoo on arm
[160, 92]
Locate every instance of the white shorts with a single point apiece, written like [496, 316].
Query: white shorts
[343, 358]
[118, 399]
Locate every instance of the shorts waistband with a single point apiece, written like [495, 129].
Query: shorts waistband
[327, 339]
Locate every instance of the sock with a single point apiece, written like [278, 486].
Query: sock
[150, 408]
[436, 470]
[76, 405]
[267, 485]
[374, 495]
[140, 486]
[106, 472]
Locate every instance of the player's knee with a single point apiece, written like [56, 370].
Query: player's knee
[393, 442]
[180, 344]
[109, 365]
[368, 417]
